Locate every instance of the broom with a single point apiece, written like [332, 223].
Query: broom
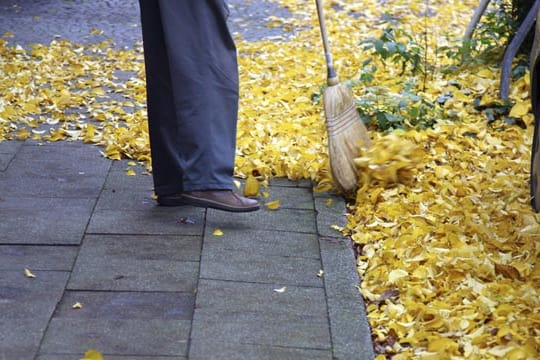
[347, 134]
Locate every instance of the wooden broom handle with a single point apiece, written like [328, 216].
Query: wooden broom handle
[332, 75]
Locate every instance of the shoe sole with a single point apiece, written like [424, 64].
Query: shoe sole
[186, 200]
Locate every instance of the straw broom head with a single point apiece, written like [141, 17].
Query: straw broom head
[347, 134]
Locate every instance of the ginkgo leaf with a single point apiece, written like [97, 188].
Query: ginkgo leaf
[217, 232]
[92, 355]
[29, 274]
[273, 205]
[281, 290]
[251, 187]
[77, 306]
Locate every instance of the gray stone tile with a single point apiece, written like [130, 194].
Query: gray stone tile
[142, 337]
[261, 329]
[118, 180]
[291, 197]
[19, 339]
[230, 297]
[209, 349]
[293, 220]
[55, 171]
[10, 147]
[36, 298]
[329, 215]
[16, 257]
[264, 242]
[43, 221]
[126, 199]
[260, 268]
[304, 183]
[151, 221]
[126, 305]
[5, 159]
[26, 306]
[351, 334]
[107, 357]
[137, 263]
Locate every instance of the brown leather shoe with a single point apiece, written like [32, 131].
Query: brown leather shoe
[225, 200]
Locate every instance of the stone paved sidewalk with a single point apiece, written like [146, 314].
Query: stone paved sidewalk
[156, 283]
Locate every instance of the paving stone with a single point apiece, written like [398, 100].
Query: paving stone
[299, 331]
[55, 171]
[209, 349]
[5, 159]
[26, 306]
[329, 215]
[258, 298]
[145, 337]
[293, 220]
[137, 263]
[17, 257]
[290, 197]
[260, 268]
[151, 221]
[19, 339]
[346, 309]
[124, 199]
[43, 221]
[10, 147]
[283, 182]
[126, 305]
[118, 180]
[264, 242]
[107, 357]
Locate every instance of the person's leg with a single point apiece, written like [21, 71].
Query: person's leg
[204, 72]
[163, 125]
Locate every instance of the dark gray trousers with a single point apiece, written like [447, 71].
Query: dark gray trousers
[192, 94]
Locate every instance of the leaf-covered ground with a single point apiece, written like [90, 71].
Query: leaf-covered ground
[448, 243]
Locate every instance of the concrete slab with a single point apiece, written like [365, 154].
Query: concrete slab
[260, 268]
[330, 214]
[291, 220]
[209, 349]
[258, 298]
[126, 199]
[43, 220]
[264, 242]
[142, 337]
[55, 171]
[5, 159]
[151, 221]
[290, 197]
[107, 357]
[126, 305]
[26, 306]
[118, 180]
[137, 263]
[310, 332]
[17, 257]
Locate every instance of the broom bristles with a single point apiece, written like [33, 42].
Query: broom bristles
[347, 134]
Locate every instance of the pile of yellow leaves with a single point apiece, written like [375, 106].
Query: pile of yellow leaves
[449, 243]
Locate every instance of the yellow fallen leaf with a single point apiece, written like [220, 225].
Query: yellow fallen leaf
[320, 273]
[237, 183]
[329, 201]
[281, 290]
[29, 274]
[273, 205]
[130, 172]
[396, 274]
[77, 305]
[92, 355]
[217, 232]
[521, 108]
[251, 188]
[266, 194]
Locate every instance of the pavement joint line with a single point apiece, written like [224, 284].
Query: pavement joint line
[262, 283]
